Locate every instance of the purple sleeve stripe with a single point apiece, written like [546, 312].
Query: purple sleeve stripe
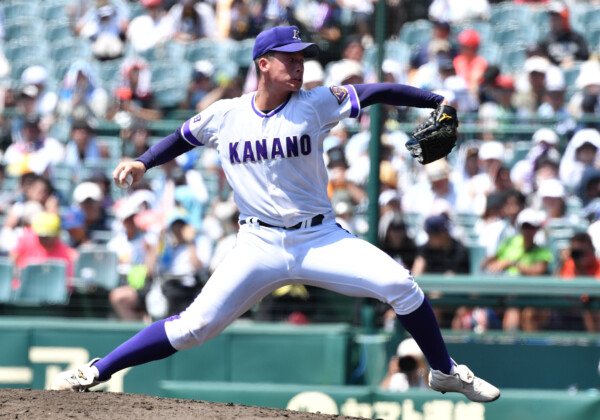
[397, 95]
[355, 103]
[188, 136]
[165, 150]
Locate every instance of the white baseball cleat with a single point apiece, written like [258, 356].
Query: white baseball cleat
[79, 379]
[465, 382]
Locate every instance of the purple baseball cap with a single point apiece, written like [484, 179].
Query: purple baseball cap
[285, 39]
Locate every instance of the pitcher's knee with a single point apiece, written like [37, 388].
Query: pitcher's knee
[188, 332]
[405, 297]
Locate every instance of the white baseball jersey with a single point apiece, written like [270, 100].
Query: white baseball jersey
[274, 161]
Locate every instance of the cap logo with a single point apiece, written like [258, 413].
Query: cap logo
[297, 35]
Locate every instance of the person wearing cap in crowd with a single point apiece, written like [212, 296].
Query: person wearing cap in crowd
[524, 173]
[200, 84]
[105, 25]
[581, 153]
[531, 84]
[491, 156]
[339, 183]
[580, 260]
[552, 198]
[407, 369]
[439, 31]
[555, 105]
[136, 250]
[427, 76]
[192, 20]
[395, 239]
[313, 75]
[32, 150]
[349, 67]
[133, 95]
[454, 11]
[82, 146]
[150, 29]
[34, 80]
[501, 107]
[468, 64]
[42, 243]
[441, 254]
[73, 222]
[11, 232]
[80, 88]
[182, 264]
[435, 189]
[562, 45]
[586, 100]
[519, 254]
[88, 197]
[136, 138]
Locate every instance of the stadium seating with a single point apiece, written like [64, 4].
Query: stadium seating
[6, 277]
[44, 283]
[98, 267]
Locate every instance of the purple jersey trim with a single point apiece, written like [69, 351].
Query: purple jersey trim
[397, 95]
[354, 101]
[188, 136]
[270, 114]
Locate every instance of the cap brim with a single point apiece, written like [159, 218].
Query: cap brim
[308, 49]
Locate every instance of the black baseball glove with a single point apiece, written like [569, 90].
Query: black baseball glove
[434, 138]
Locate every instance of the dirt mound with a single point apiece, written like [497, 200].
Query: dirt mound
[53, 405]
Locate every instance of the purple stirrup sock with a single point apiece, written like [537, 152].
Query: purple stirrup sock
[423, 326]
[149, 344]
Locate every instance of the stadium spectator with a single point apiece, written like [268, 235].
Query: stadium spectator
[407, 369]
[73, 222]
[588, 189]
[34, 80]
[192, 20]
[519, 255]
[150, 29]
[80, 88]
[580, 260]
[551, 196]
[562, 45]
[200, 84]
[82, 147]
[136, 139]
[136, 251]
[468, 64]
[494, 232]
[454, 11]
[524, 173]
[586, 100]
[42, 243]
[88, 197]
[21, 221]
[554, 105]
[313, 75]
[492, 175]
[440, 31]
[531, 85]
[394, 239]
[441, 253]
[500, 107]
[181, 262]
[581, 153]
[32, 150]
[436, 192]
[133, 96]
[105, 25]
[427, 76]
[350, 64]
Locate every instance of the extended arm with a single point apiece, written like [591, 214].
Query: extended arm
[165, 150]
[397, 95]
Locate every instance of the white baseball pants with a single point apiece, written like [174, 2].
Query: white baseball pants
[265, 259]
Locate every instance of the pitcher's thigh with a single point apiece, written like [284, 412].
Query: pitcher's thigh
[241, 280]
[354, 267]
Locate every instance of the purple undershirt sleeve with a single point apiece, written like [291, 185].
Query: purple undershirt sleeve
[165, 150]
[397, 95]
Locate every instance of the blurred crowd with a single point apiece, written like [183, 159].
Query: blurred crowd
[502, 203]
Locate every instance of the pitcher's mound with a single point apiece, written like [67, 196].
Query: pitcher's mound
[26, 404]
